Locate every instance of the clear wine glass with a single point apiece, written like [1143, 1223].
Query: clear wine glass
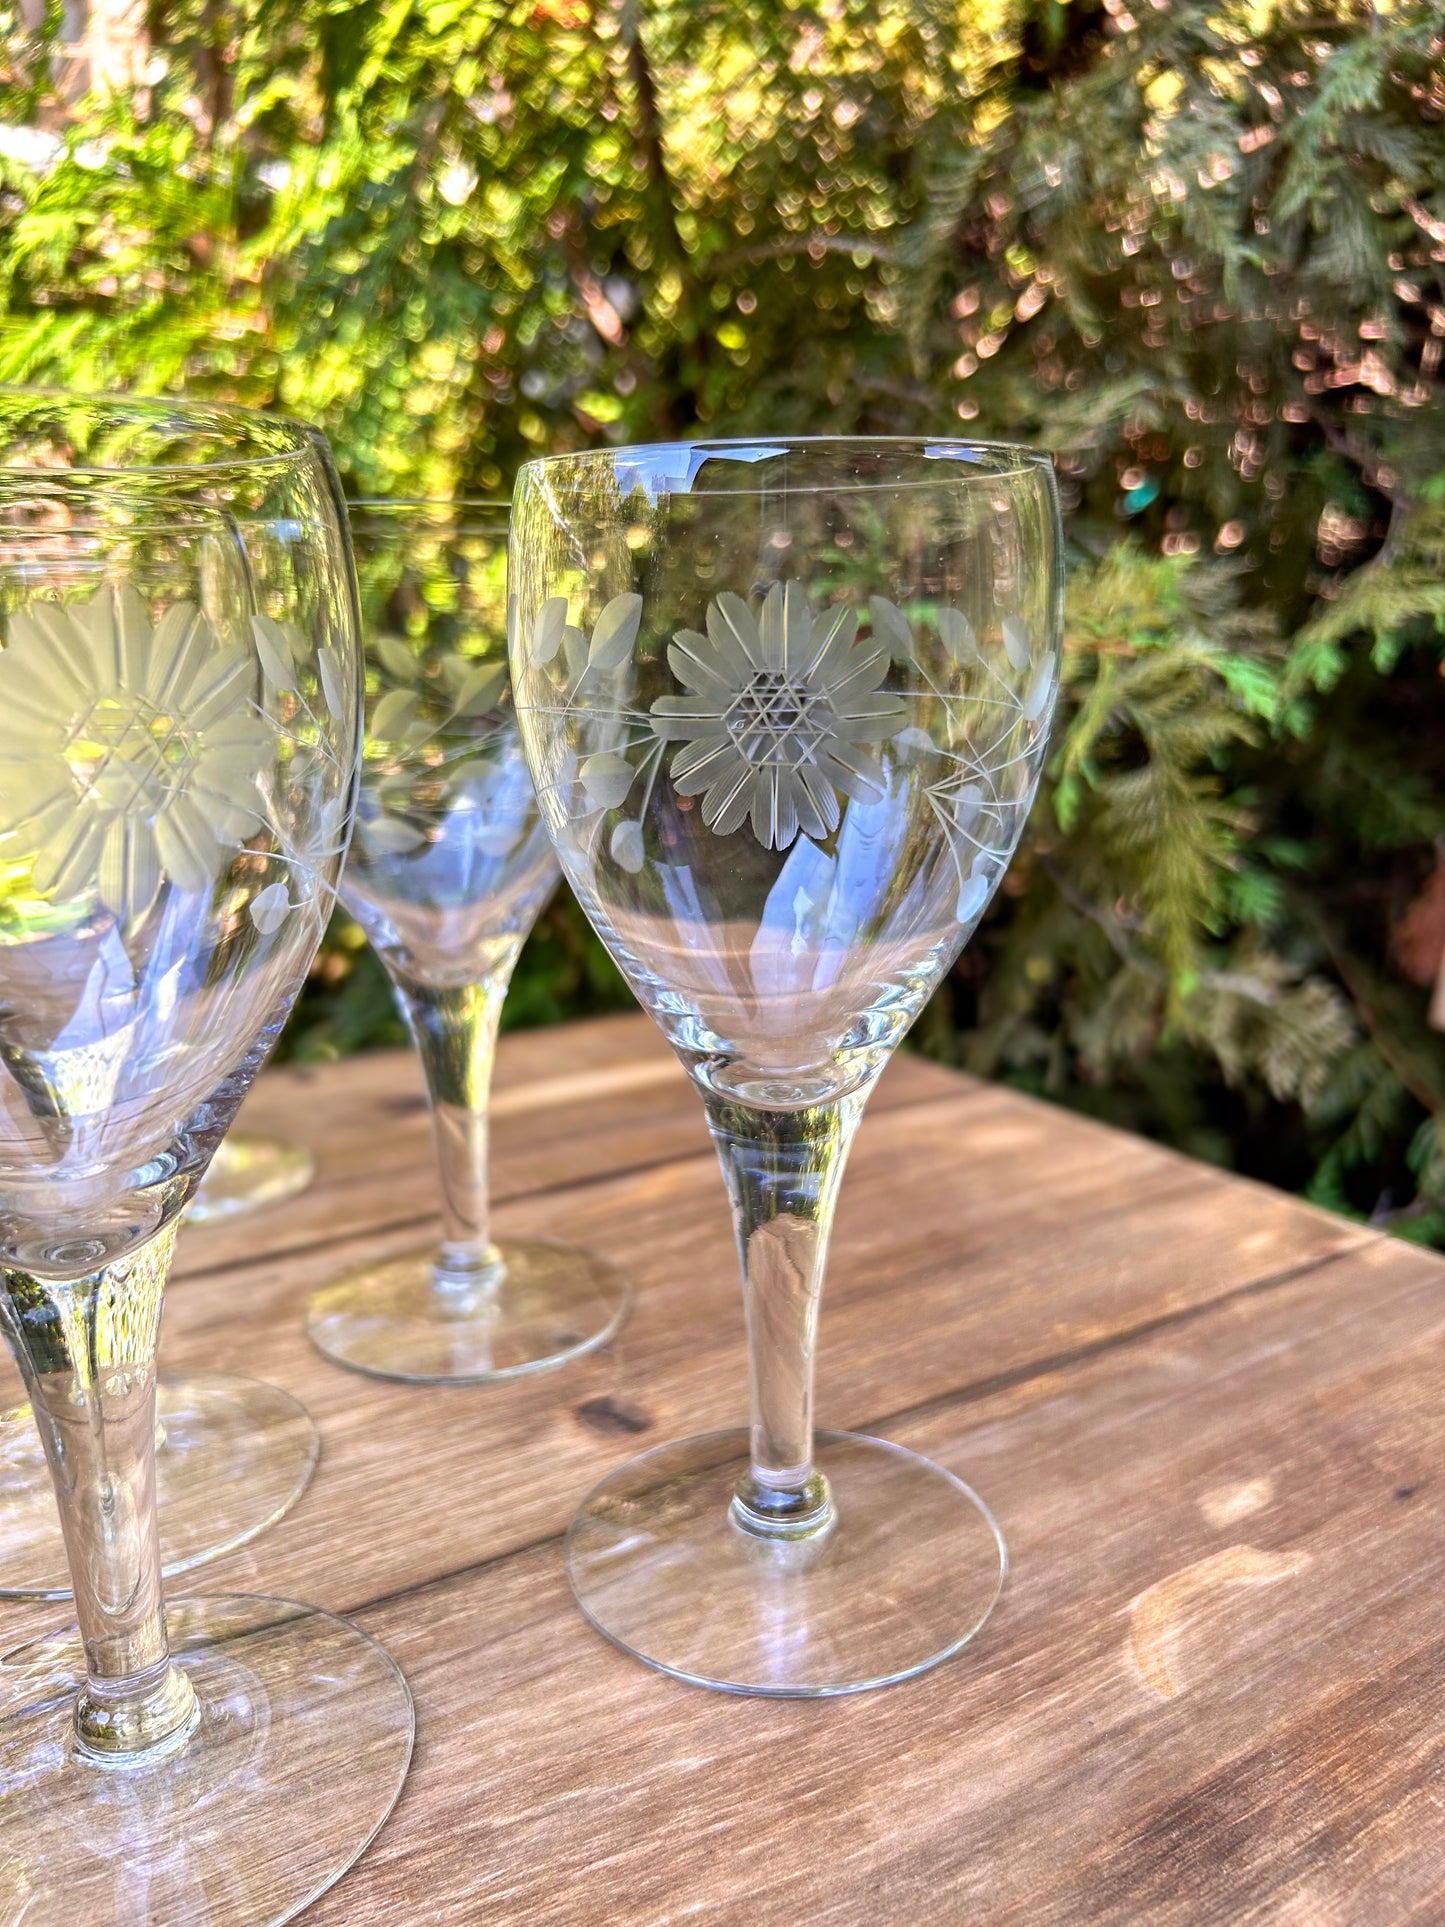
[250, 1171]
[786, 705]
[449, 869]
[233, 1455]
[180, 677]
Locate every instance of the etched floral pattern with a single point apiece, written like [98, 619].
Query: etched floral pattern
[784, 714]
[140, 755]
[780, 711]
[431, 734]
[131, 752]
[977, 759]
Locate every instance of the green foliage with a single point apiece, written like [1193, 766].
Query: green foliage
[1197, 249]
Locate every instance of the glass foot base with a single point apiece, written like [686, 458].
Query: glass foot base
[248, 1173]
[304, 1739]
[552, 1303]
[906, 1574]
[232, 1455]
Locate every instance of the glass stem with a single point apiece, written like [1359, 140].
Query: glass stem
[86, 1347]
[455, 1031]
[782, 1170]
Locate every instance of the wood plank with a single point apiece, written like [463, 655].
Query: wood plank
[978, 1237]
[1207, 1416]
[569, 1104]
[1213, 1691]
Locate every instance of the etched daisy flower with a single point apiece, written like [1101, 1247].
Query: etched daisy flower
[130, 753]
[778, 710]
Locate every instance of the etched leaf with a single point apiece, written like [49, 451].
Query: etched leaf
[393, 713]
[395, 658]
[1037, 699]
[270, 908]
[626, 846]
[547, 629]
[482, 689]
[615, 632]
[390, 836]
[1016, 642]
[333, 681]
[574, 651]
[955, 632]
[274, 649]
[606, 779]
[890, 627]
[916, 741]
[972, 896]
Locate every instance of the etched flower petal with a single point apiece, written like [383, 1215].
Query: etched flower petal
[728, 802]
[870, 718]
[772, 629]
[734, 635]
[862, 677]
[47, 657]
[774, 813]
[169, 660]
[699, 764]
[852, 770]
[82, 636]
[129, 877]
[227, 685]
[67, 865]
[833, 636]
[816, 803]
[687, 657]
[186, 844]
[678, 719]
[132, 638]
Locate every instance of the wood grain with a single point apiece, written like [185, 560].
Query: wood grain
[1207, 1416]
[615, 1100]
[1039, 1777]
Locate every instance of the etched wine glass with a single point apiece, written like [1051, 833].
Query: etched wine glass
[180, 679]
[449, 869]
[251, 1171]
[785, 704]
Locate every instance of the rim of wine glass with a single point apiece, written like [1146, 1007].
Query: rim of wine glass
[1025, 460]
[304, 437]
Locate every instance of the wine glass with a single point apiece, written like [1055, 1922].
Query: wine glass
[233, 1455]
[250, 1171]
[449, 869]
[785, 704]
[180, 677]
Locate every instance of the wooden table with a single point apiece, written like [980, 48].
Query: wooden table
[1208, 1417]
